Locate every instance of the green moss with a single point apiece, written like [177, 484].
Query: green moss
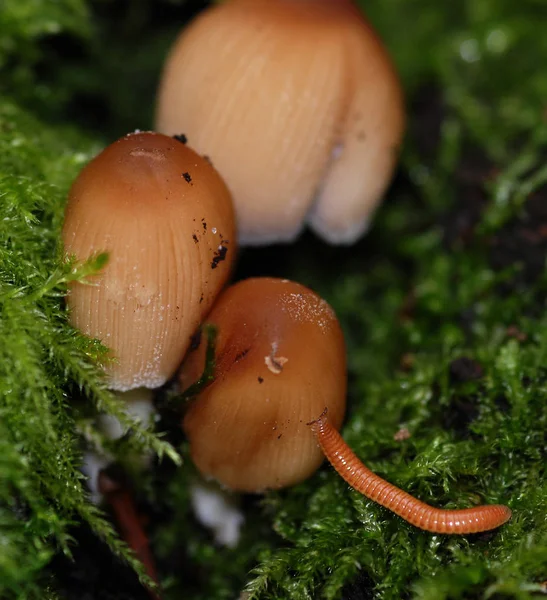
[44, 364]
[442, 305]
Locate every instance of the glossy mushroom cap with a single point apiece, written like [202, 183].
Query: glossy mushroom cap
[301, 111]
[166, 219]
[280, 360]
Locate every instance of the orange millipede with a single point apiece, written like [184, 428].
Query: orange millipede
[415, 512]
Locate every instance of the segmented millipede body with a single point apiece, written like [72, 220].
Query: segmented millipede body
[415, 512]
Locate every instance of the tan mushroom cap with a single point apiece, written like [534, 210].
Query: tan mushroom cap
[301, 111]
[166, 218]
[280, 360]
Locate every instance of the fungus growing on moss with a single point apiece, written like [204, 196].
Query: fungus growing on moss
[135, 202]
[301, 112]
[280, 359]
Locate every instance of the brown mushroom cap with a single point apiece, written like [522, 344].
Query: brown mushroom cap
[301, 112]
[280, 361]
[166, 219]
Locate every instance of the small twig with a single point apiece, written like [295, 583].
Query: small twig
[120, 499]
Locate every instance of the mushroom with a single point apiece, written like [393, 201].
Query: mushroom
[166, 218]
[301, 112]
[280, 359]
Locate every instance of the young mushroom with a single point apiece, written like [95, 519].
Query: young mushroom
[301, 112]
[166, 219]
[279, 358]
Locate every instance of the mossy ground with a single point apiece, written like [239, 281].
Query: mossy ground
[443, 306]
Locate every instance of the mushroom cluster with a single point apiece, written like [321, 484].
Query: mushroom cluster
[301, 112]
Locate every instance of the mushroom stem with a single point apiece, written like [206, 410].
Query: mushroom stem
[412, 510]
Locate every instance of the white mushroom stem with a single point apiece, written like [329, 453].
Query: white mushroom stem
[93, 464]
[216, 510]
[138, 404]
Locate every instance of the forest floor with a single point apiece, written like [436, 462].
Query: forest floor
[442, 305]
